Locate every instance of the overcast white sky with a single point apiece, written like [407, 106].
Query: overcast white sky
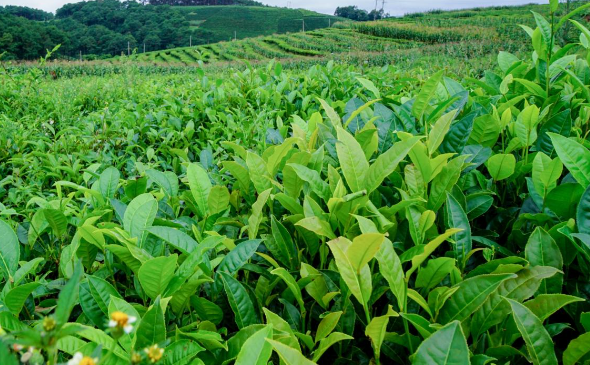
[394, 7]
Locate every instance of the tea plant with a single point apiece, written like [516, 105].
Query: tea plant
[301, 217]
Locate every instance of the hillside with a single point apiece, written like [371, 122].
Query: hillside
[94, 30]
[477, 33]
[222, 23]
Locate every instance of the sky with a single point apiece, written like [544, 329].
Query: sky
[393, 7]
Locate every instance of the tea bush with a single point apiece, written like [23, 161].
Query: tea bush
[324, 215]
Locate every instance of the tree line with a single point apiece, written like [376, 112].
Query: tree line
[95, 29]
[359, 15]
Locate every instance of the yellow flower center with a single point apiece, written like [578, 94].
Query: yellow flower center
[87, 361]
[154, 353]
[121, 318]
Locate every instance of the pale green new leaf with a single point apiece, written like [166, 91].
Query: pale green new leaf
[200, 186]
[140, 215]
[352, 160]
[289, 355]
[387, 162]
[256, 350]
[574, 156]
[155, 274]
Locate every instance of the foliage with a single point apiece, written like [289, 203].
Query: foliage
[300, 216]
[354, 13]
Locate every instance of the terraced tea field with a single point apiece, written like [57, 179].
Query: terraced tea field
[223, 23]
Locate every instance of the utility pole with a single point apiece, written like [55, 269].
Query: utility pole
[143, 47]
[191, 41]
[235, 35]
[128, 48]
[80, 56]
[375, 13]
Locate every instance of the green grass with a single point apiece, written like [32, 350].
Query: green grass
[251, 21]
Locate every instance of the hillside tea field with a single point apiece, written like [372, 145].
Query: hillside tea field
[331, 214]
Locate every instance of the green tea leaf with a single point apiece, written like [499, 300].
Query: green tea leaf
[457, 218]
[155, 274]
[501, 166]
[387, 162]
[538, 342]
[256, 350]
[472, 293]
[574, 156]
[200, 186]
[139, 216]
[239, 301]
[427, 91]
[352, 160]
[289, 355]
[9, 251]
[577, 349]
[108, 182]
[445, 346]
[152, 328]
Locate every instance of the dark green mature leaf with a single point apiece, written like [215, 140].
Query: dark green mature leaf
[237, 257]
[313, 178]
[434, 272]
[545, 305]
[152, 328]
[68, 296]
[538, 342]
[560, 123]
[181, 352]
[496, 309]
[457, 218]
[9, 251]
[282, 245]
[445, 346]
[583, 213]
[57, 221]
[564, 199]
[101, 292]
[541, 250]
[472, 293]
[175, 237]
[15, 298]
[456, 139]
[239, 300]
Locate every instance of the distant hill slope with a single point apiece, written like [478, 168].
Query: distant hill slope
[478, 33]
[222, 23]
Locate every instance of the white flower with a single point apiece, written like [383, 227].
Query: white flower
[76, 359]
[80, 359]
[122, 321]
